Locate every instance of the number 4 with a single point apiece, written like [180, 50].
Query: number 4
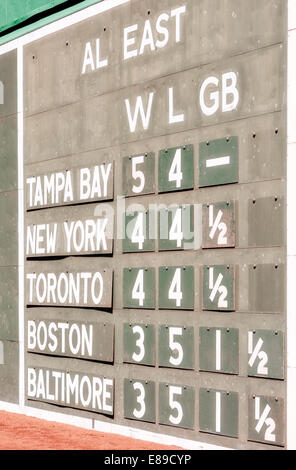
[175, 173]
[176, 232]
[138, 232]
[138, 290]
[175, 292]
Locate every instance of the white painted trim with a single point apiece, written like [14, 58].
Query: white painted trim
[84, 423]
[63, 23]
[149, 436]
[101, 426]
[291, 228]
[21, 300]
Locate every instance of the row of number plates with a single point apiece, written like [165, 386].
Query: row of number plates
[218, 164]
[218, 410]
[218, 349]
[179, 228]
[176, 288]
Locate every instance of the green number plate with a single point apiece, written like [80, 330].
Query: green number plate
[218, 412]
[218, 350]
[218, 225]
[218, 162]
[139, 344]
[266, 354]
[266, 420]
[176, 347]
[176, 405]
[138, 175]
[176, 169]
[176, 288]
[219, 288]
[139, 400]
[176, 228]
[139, 288]
[139, 234]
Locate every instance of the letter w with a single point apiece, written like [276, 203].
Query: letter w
[139, 109]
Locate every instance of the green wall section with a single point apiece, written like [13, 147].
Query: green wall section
[14, 12]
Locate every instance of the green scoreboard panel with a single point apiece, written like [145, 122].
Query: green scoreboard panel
[155, 193]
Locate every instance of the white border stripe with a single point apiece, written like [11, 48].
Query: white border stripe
[63, 23]
[21, 301]
[291, 228]
[101, 426]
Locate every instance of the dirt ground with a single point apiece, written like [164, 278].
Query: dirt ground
[19, 432]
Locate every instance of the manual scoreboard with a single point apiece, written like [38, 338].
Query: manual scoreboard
[154, 215]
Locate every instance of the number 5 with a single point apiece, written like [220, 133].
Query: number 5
[174, 346]
[137, 174]
[175, 405]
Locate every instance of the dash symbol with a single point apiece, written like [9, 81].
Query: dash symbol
[213, 162]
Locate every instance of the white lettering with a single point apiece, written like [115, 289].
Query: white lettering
[64, 288]
[173, 118]
[228, 88]
[127, 42]
[88, 58]
[147, 39]
[82, 391]
[162, 31]
[100, 63]
[177, 14]
[133, 120]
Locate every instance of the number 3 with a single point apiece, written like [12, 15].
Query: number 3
[140, 399]
[138, 357]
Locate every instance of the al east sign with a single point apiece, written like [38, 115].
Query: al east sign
[148, 212]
